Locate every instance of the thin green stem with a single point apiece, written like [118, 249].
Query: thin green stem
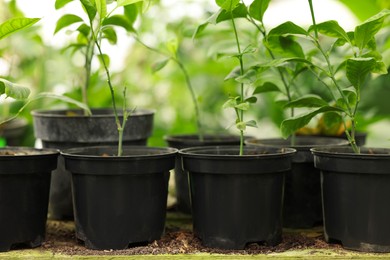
[241, 113]
[188, 84]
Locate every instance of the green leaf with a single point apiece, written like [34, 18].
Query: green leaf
[227, 5]
[89, 8]
[199, 30]
[222, 15]
[231, 103]
[357, 70]
[241, 126]
[131, 12]
[266, 87]
[291, 125]
[367, 30]
[234, 73]
[172, 46]
[242, 106]
[251, 123]
[288, 28]
[15, 24]
[284, 45]
[332, 29]
[258, 8]
[248, 78]
[84, 29]
[104, 58]
[101, 7]
[127, 2]
[110, 34]
[61, 3]
[67, 20]
[251, 99]
[307, 101]
[13, 90]
[160, 65]
[119, 20]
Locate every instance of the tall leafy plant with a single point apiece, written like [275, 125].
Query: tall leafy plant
[362, 60]
[99, 25]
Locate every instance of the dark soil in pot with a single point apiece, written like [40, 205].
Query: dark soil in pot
[119, 201]
[302, 206]
[63, 129]
[236, 200]
[356, 194]
[181, 177]
[24, 195]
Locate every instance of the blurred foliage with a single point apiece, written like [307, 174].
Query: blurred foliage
[30, 61]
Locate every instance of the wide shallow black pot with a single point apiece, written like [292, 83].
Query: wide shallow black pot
[181, 177]
[63, 129]
[119, 201]
[24, 195]
[302, 206]
[236, 199]
[356, 195]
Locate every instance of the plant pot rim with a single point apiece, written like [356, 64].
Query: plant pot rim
[136, 152]
[31, 152]
[209, 138]
[218, 152]
[303, 142]
[96, 112]
[347, 152]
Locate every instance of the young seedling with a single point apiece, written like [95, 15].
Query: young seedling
[363, 59]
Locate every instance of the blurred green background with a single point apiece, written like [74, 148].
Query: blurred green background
[43, 65]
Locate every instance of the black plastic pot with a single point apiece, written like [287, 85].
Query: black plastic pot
[356, 195]
[302, 206]
[181, 177]
[119, 201]
[14, 131]
[63, 129]
[24, 195]
[236, 199]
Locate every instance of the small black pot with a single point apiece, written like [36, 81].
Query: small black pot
[181, 177]
[14, 131]
[119, 201]
[236, 199]
[356, 195]
[302, 206]
[64, 129]
[24, 195]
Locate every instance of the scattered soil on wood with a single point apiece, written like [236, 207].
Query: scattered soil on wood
[61, 239]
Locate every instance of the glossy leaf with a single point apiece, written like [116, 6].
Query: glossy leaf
[287, 28]
[236, 72]
[66, 20]
[357, 70]
[242, 106]
[266, 87]
[285, 45]
[15, 24]
[291, 125]
[101, 8]
[13, 90]
[130, 12]
[89, 8]
[251, 99]
[248, 78]
[227, 5]
[307, 101]
[160, 65]
[61, 3]
[241, 126]
[258, 8]
[84, 29]
[332, 29]
[367, 30]
[104, 58]
[251, 123]
[119, 20]
[110, 34]
[230, 103]
[222, 15]
[127, 2]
